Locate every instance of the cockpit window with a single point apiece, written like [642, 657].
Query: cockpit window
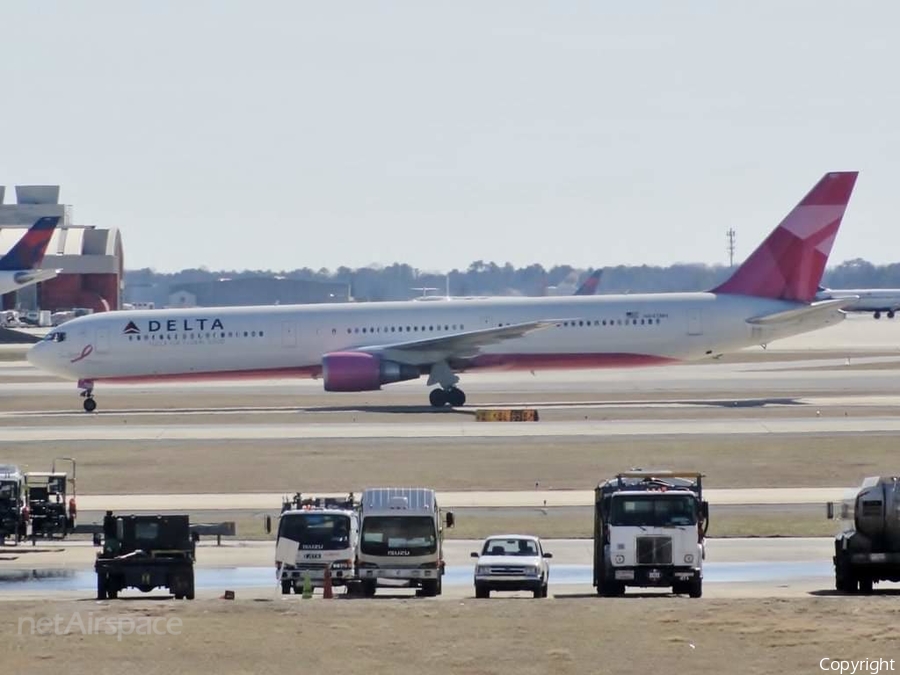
[56, 336]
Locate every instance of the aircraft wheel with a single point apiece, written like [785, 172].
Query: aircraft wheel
[456, 397]
[890, 315]
[90, 405]
[877, 315]
[438, 398]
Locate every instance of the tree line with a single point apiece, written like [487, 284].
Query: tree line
[403, 281]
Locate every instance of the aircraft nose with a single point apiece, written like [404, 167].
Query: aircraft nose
[38, 355]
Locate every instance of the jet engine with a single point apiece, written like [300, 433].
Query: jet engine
[358, 371]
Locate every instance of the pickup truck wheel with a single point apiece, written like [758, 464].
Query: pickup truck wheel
[482, 592]
[865, 586]
[369, 588]
[544, 591]
[286, 587]
[112, 593]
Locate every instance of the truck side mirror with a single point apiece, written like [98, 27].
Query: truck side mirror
[829, 510]
[473, 554]
[451, 519]
[704, 510]
[548, 554]
[195, 536]
[268, 524]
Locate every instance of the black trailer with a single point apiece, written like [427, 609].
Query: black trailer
[146, 552]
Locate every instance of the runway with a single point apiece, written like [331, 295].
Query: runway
[262, 501]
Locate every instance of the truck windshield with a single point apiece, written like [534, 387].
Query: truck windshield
[398, 535]
[316, 531]
[654, 510]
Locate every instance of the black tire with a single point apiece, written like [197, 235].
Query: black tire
[369, 588]
[865, 586]
[437, 398]
[286, 586]
[189, 592]
[430, 588]
[456, 397]
[696, 588]
[482, 592]
[112, 592]
[90, 405]
[101, 587]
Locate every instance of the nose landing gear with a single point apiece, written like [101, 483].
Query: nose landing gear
[87, 393]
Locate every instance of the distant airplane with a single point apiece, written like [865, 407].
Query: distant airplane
[362, 346]
[18, 268]
[876, 300]
[590, 285]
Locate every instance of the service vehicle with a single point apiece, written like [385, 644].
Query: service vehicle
[13, 512]
[51, 504]
[401, 539]
[146, 552]
[512, 562]
[649, 531]
[316, 534]
[867, 550]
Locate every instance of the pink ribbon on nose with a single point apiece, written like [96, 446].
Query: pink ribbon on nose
[84, 354]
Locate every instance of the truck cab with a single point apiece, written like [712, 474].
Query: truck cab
[316, 534]
[13, 514]
[401, 539]
[649, 531]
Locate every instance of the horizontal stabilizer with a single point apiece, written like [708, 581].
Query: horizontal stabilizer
[807, 311]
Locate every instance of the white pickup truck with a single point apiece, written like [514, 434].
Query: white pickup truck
[512, 562]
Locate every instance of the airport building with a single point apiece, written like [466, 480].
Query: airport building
[90, 258]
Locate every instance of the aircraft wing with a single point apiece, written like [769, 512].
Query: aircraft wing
[804, 312]
[460, 345]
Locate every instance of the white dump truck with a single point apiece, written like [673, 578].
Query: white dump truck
[315, 534]
[867, 550]
[401, 539]
[649, 530]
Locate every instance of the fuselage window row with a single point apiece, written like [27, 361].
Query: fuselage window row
[197, 336]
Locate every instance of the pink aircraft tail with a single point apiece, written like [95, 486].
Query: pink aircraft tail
[789, 264]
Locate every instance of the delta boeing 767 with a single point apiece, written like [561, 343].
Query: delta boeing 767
[360, 347]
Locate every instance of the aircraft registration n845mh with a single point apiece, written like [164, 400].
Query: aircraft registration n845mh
[360, 347]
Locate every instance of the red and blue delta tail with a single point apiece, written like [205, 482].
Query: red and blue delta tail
[28, 252]
[789, 264]
[589, 287]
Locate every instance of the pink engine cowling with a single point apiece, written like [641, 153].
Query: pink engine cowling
[358, 371]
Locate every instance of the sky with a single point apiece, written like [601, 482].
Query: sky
[279, 135]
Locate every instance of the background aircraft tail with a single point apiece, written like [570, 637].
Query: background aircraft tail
[589, 287]
[789, 264]
[29, 251]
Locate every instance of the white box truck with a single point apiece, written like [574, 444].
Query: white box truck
[401, 539]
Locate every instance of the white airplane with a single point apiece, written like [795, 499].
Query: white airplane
[875, 300]
[18, 268]
[362, 346]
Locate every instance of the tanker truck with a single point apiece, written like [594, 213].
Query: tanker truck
[867, 550]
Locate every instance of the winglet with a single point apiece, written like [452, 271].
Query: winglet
[789, 264]
[589, 287]
[28, 252]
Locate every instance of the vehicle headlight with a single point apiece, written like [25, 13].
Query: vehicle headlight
[482, 569]
[689, 558]
[533, 571]
[620, 560]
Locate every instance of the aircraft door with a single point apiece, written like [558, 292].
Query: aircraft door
[695, 322]
[288, 334]
[102, 340]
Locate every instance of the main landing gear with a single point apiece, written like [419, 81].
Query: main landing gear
[441, 397]
[890, 314]
[87, 393]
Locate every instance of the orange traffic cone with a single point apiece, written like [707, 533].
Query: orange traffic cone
[326, 588]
